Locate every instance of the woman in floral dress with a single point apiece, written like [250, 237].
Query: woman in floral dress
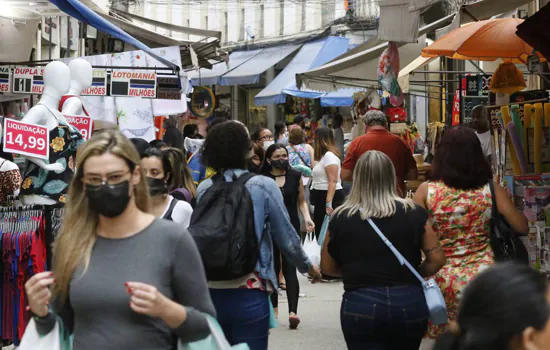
[458, 201]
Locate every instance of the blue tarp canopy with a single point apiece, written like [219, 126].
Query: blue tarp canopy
[340, 98]
[310, 56]
[82, 13]
[249, 72]
[245, 67]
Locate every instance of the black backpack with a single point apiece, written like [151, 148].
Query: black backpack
[222, 225]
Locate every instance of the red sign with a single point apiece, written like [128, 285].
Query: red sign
[84, 124]
[456, 109]
[26, 139]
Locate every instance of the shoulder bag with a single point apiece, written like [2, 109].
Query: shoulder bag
[300, 156]
[432, 293]
[505, 241]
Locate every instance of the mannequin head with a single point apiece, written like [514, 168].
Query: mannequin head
[81, 74]
[57, 79]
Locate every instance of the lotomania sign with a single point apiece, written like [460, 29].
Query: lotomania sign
[134, 84]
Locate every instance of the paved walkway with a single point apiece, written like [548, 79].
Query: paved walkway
[319, 312]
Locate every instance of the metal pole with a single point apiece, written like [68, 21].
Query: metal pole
[50, 41]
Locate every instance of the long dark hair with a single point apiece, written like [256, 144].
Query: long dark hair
[497, 306]
[157, 153]
[324, 142]
[266, 167]
[279, 127]
[459, 161]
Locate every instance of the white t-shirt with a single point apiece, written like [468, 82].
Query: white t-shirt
[486, 140]
[182, 212]
[319, 174]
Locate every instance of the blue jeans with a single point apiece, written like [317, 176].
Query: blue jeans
[243, 315]
[384, 318]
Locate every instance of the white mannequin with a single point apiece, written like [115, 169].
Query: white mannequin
[81, 78]
[57, 79]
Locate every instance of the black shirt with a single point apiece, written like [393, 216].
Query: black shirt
[364, 258]
[173, 137]
[291, 193]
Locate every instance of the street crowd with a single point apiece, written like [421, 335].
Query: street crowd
[145, 259]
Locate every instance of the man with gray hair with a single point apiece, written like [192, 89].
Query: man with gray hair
[378, 138]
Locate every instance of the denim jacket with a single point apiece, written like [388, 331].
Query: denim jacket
[272, 223]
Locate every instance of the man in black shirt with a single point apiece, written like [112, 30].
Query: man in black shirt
[172, 136]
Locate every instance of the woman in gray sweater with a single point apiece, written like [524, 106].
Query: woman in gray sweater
[122, 279]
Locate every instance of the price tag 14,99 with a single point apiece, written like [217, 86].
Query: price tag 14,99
[26, 139]
[84, 124]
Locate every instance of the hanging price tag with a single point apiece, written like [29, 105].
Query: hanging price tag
[84, 124]
[26, 139]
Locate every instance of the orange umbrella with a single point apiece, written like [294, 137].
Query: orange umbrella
[483, 41]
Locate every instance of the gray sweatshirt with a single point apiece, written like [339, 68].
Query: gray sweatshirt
[98, 313]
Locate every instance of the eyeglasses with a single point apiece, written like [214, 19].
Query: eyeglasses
[111, 179]
[266, 138]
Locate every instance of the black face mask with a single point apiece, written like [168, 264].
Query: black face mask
[109, 200]
[280, 164]
[253, 168]
[157, 186]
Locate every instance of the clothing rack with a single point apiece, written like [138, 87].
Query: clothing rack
[26, 235]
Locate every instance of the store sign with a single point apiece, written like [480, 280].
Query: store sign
[473, 87]
[456, 109]
[168, 88]
[5, 73]
[133, 84]
[28, 80]
[99, 84]
[84, 124]
[26, 139]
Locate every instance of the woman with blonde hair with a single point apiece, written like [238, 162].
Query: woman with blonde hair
[180, 185]
[383, 306]
[122, 279]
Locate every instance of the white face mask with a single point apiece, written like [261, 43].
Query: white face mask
[267, 144]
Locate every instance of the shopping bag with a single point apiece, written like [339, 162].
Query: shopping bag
[57, 339]
[312, 248]
[272, 319]
[323, 232]
[215, 341]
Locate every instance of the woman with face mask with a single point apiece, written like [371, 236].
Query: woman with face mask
[122, 278]
[264, 138]
[158, 169]
[258, 156]
[277, 167]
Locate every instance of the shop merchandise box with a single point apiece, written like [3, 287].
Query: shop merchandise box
[537, 205]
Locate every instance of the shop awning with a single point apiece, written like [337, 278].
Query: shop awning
[310, 56]
[486, 9]
[404, 74]
[207, 76]
[249, 71]
[340, 98]
[358, 69]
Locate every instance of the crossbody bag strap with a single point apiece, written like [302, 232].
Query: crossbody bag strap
[300, 156]
[396, 252]
[494, 209]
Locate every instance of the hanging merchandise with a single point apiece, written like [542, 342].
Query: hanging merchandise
[25, 235]
[507, 79]
[388, 70]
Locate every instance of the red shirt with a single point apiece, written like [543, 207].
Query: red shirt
[379, 139]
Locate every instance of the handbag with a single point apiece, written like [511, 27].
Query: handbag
[434, 298]
[57, 339]
[505, 241]
[215, 341]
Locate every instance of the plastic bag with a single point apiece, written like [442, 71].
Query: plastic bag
[323, 232]
[55, 340]
[215, 341]
[312, 248]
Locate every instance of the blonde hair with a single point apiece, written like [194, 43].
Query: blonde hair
[78, 233]
[181, 176]
[373, 192]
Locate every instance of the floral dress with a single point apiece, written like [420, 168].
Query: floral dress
[461, 220]
[64, 140]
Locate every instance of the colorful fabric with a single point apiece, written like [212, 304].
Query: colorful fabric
[298, 155]
[64, 140]
[461, 220]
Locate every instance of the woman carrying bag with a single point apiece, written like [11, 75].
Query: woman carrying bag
[384, 305]
[122, 278]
